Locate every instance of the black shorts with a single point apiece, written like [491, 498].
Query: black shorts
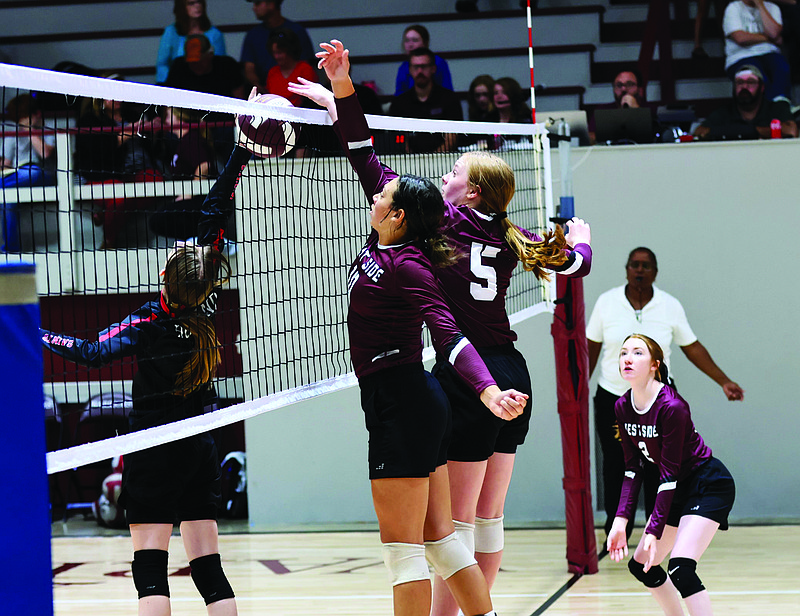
[477, 432]
[708, 492]
[408, 419]
[172, 483]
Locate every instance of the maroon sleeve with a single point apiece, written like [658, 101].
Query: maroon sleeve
[634, 466]
[356, 139]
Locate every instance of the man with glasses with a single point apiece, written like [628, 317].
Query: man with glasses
[427, 100]
[749, 114]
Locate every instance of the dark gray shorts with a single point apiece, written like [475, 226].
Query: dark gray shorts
[708, 492]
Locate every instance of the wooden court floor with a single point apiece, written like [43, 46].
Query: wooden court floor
[748, 570]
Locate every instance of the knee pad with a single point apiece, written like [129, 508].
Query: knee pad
[405, 562]
[489, 535]
[654, 577]
[683, 576]
[149, 570]
[448, 556]
[466, 534]
[209, 579]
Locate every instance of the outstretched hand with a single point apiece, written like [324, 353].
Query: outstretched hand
[578, 232]
[506, 404]
[649, 547]
[315, 92]
[617, 544]
[334, 59]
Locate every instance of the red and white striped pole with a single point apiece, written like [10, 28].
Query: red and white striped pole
[530, 62]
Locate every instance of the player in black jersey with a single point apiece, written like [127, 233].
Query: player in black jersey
[695, 493]
[175, 343]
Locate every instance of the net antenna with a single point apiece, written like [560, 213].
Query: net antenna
[298, 223]
[530, 61]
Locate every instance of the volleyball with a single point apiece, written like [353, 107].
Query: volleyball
[107, 513]
[267, 137]
[112, 486]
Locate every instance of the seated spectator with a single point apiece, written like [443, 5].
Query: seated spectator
[189, 155]
[480, 99]
[27, 159]
[256, 57]
[752, 36]
[109, 150]
[509, 106]
[427, 100]
[749, 114]
[190, 18]
[414, 37]
[628, 93]
[200, 69]
[284, 45]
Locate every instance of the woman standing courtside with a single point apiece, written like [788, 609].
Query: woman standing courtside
[175, 342]
[695, 493]
[392, 290]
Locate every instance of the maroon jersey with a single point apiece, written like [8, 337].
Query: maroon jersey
[664, 435]
[476, 286]
[393, 288]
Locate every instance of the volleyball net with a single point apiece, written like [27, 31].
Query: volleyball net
[101, 177]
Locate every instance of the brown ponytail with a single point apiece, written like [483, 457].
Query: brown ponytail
[191, 274]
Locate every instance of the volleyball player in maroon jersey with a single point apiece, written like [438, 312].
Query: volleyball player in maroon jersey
[695, 493]
[393, 289]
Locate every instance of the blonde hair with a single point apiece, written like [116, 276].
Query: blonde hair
[494, 179]
[656, 354]
[191, 275]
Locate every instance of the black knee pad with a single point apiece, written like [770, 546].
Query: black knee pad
[149, 569]
[209, 578]
[683, 576]
[654, 578]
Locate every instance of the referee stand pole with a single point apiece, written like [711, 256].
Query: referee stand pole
[572, 386]
[25, 565]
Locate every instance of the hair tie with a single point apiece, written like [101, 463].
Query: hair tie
[501, 215]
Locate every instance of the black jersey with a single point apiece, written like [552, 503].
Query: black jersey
[155, 334]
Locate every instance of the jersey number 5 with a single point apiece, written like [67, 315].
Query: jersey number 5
[485, 272]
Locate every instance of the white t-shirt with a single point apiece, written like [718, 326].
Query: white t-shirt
[614, 319]
[739, 16]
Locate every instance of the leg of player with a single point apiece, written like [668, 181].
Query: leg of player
[665, 594]
[489, 540]
[466, 480]
[693, 538]
[149, 567]
[201, 542]
[448, 555]
[400, 504]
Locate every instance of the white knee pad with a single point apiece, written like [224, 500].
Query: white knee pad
[489, 535]
[466, 534]
[405, 562]
[448, 556]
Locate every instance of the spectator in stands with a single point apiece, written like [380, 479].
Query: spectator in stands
[509, 102]
[749, 114]
[188, 155]
[284, 45]
[257, 56]
[752, 36]
[200, 69]
[27, 159]
[480, 98]
[109, 149]
[628, 93]
[190, 18]
[414, 37]
[427, 100]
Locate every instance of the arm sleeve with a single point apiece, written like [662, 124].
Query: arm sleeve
[217, 40]
[218, 204]
[165, 54]
[401, 81]
[775, 11]
[442, 68]
[672, 427]
[117, 341]
[634, 469]
[731, 20]
[578, 263]
[356, 139]
[418, 283]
